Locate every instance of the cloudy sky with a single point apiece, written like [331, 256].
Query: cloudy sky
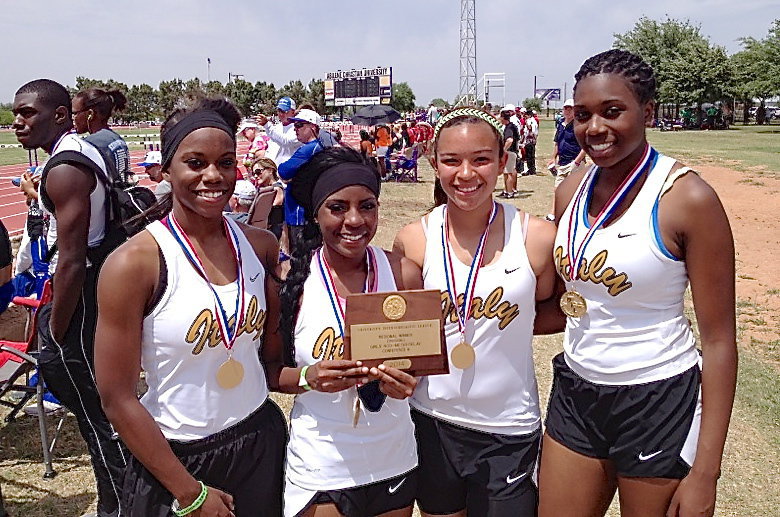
[143, 41]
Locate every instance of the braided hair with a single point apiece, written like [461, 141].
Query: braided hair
[631, 67]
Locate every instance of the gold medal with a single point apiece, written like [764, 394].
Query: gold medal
[394, 307]
[463, 355]
[573, 304]
[230, 374]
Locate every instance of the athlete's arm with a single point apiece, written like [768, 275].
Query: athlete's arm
[410, 242]
[694, 226]
[68, 187]
[539, 246]
[326, 376]
[122, 304]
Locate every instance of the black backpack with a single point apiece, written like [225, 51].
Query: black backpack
[125, 204]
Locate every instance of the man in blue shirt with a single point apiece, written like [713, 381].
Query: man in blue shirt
[567, 154]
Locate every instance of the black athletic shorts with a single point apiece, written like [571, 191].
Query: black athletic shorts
[369, 500]
[245, 460]
[486, 474]
[641, 428]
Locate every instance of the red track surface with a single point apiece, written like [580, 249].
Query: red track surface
[13, 209]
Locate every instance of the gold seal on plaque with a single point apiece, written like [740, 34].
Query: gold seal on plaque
[394, 307]
[573, 304]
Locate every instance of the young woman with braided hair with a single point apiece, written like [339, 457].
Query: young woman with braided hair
[185, 300]
[352, 448]
[478, 428]
[92, 109]
[631, 410]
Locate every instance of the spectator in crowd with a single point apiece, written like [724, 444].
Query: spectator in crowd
[511, 139]
[366, 146]
[92, 109]
[152, 165]
[71, 192]
[283, 140]
[531, 134]
[567, 153]
[383, 140]
[258, 142]
[31, 268]
[265, 176]
[241, 201]
[432, 115]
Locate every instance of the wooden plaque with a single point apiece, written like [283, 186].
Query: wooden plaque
[403, 329]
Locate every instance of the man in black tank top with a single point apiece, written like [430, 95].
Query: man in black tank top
[66, 326]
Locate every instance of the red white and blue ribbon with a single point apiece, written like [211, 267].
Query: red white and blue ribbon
[229, 334]
[620, 193]
[463, 311]
[330, 286]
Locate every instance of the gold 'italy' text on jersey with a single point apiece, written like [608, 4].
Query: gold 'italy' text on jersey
[204, 330]
[592, 271]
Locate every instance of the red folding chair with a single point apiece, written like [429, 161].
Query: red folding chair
[18, 362]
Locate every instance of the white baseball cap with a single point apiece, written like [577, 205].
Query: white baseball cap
[568, 103]
[307, 115]
[244, 190]
[508, 107]
[151, 158]
[246, 125]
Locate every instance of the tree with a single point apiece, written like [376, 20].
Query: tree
[757, 70]
[533, 103]
[317, 96]
[403, 97]
[6, 117]
[440, 103]
[266, 97]
[142, 103]
[295, 90]
[214, 88]
[170, 95]
[242, 93]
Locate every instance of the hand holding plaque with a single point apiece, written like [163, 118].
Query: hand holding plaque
[404, 330]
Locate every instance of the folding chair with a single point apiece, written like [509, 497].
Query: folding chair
[261, 207]
[405, 167]
[18, 365]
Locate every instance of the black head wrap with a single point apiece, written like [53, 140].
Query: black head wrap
[311, 194]
[173, 136]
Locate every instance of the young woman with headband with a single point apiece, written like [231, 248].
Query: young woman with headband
[631, 410]
[352, 448]
[478, 428]
[206, 439]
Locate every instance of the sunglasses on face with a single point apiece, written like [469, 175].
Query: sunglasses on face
[299, 125]
[258, 172]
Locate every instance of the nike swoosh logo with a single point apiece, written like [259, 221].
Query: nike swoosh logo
[253, 278]
[507, 271]
[510, 480]
[393, 489]
[642, 457]
[624, 235]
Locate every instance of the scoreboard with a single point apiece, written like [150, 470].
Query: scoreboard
[359, 86]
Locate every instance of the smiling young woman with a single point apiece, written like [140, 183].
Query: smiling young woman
[634, 406]
[344, 457]
[478, 427]
[192, 318]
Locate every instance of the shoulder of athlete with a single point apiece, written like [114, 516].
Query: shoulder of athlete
[410, 242]
[406, 272]
[136, 260]
[566, 190]
[264, 243]
[689, 203]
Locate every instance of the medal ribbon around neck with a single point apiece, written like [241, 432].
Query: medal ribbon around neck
[228, 335]
[575, 257]
[330, 286]
[476, 264]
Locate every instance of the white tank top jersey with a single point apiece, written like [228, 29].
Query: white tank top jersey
[498, 394]
[182, 347]
[634, 330]
[97, 198]
[325, 451]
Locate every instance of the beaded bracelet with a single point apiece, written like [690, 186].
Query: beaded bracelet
[197, 503]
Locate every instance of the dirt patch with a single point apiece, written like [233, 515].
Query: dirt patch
[751, 204]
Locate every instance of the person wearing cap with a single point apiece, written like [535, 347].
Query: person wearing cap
[283, 140]
[567, 153]
[240, 202]
[531, 134]
[152, 165]
[258, 142]
[511, 138]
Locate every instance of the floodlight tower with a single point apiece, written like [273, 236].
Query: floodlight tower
[468, 54]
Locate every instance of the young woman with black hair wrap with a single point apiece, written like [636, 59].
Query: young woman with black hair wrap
[185, 300]
[352, 449]
[92, 109]
[635, 407]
